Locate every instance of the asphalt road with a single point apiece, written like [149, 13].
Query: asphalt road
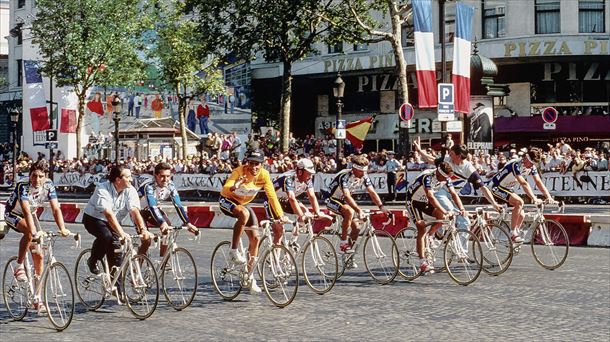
[525, 303]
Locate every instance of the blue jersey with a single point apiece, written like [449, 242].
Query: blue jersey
[425, 180]
[34, 197]
[289, 182]
[151, 194]
[345, 180]
[507, 176]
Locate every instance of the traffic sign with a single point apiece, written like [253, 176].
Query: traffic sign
[446, 109]
[405, 124]
[406, 112]
[51, 135]
[340, 130]
[550, 126]
[549, 115]
[51, 145]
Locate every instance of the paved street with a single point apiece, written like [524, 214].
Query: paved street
[525, 303]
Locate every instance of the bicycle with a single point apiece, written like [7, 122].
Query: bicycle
[495, 241]
[462, 253]
[548, 239]
[380, 252]
[136, 272]
[278, 269]
[56, 284]
[177, 271]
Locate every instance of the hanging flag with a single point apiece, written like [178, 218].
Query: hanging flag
[40, 119]
[356, 131]
[424, 53]
[31, 73]
[34, 96]
[461, 56]
[68, 121]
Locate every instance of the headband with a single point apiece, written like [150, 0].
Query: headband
[442, 172]
[361, 168]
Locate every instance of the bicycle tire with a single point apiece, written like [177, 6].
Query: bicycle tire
[335, 239]
[283, 273]
[226, 277]
[16, 294]
[381, 258]
[406, 242]
[179, 282]
[497, 248]
[89, 287]
[463, 263]
[557, 246]
[319, 264]
[141, 286]
[58, 296]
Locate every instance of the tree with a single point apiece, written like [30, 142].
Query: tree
[178, 51]
[89, 42]
[284, 30]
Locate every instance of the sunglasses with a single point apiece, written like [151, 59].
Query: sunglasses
[253, 163]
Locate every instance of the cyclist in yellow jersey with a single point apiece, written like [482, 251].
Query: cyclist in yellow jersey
[241, 187]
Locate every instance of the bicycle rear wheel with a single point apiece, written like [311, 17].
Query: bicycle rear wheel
[550, 244]
[89, 287]
[320, 265]
[283, 274]
[381, 257]
[15, 293]
[179, 279]
[226, 276]
[463, 257]
[141, 286]
[497, 248]
[406, 242]
[335, 239]
[59, 296]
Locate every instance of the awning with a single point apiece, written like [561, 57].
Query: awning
[591, 125]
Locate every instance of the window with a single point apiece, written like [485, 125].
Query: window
[591, 16]
[20, 3]
[336, 48]
[494, 19]
[19, 72]
[547, 17]
[449, 22]
[361, 47]
[407, 35]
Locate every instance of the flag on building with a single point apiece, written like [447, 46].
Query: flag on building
[424, 53]
[34, 96]
[356, 131]
[68, 121]
[461, 56]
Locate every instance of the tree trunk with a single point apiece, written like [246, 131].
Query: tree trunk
[285, 115]
[79, 124]
[182, 114]
[404, 142]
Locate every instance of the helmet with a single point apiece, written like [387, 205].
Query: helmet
[307, 165]
[255, 155]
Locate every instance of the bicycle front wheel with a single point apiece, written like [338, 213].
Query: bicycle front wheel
[59, 296]
[179, 279]
[141, 286]
[335, 239]
[15, 293]
[89, 287]
[320, 265]
[281, 277]
[550, 244]
[463, 257]
[497, 249]
[406, 242]
[381, 257]
[226, 276]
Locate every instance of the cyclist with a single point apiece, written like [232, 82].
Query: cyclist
[110, 203]
[161, 189]
[241, 187]
[28, 196]
[342, 203]
[421, 200]
[512, 173]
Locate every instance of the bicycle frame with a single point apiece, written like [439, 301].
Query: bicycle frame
[110, 281]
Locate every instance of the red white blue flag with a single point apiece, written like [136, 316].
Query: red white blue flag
[34, 96]
[461, 56]
[424, 53]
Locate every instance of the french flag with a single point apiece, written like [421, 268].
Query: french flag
[424, 53]
[461, 56]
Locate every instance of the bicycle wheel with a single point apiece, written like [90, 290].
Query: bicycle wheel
[550, 244]
[497, 248]
[335, 239]
[463, 257]
[179, 279]
[282, 274]
[15, 293]
[406, 242]
[89, 287]
[141, 286]
[226, 276]
[381, 257]
[59, 296]
[320, 265]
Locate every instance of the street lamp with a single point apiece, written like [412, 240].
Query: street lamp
[338, 90]
[117, 107]
[15, 119]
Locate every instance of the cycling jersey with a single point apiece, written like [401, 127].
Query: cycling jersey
[250, 187]
[425, 180]
[289, 182]
[507, 176]
[465, 171]
[345, 180]
[151, 193]
[34, 197]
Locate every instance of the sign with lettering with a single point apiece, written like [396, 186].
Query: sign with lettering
[446, 110]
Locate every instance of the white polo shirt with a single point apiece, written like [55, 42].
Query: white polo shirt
[106, 197]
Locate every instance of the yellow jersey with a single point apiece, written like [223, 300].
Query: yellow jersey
[250, 188]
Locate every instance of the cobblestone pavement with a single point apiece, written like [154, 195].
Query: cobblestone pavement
[525, 303]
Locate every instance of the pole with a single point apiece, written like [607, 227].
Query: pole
[14, 154]
[441, 29]
[51, 105]
[339, 141]
[116, 138]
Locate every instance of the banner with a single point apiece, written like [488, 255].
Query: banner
[461, 56]
[562, 185]
[68, 121]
